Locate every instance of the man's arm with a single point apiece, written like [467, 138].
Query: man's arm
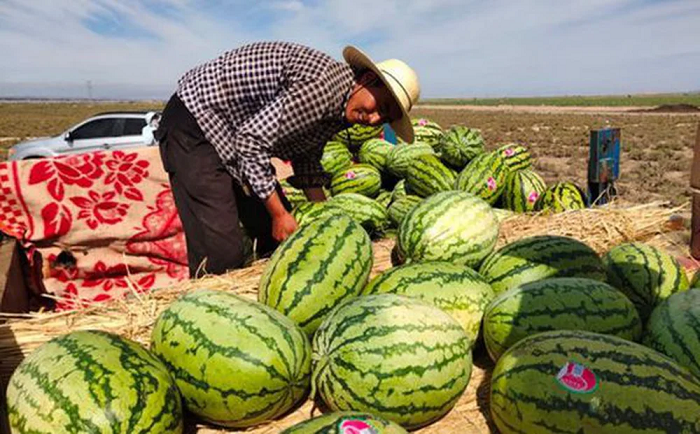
[315, 194]
[283, 224]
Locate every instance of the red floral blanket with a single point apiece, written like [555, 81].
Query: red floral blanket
[104, 224]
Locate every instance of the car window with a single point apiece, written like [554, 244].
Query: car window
[95, 129]
[133, 127]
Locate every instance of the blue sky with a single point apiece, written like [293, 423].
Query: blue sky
[460, 48]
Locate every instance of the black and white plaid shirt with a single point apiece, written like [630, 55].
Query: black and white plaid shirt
[269, 99]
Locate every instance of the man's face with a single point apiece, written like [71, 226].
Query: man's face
[371, 103]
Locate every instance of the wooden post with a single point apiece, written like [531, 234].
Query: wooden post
[695, 185]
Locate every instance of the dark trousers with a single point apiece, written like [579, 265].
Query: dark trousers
[210, 202]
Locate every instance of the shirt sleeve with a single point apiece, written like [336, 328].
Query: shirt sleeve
[299, 107]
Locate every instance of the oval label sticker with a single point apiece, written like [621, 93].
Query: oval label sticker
[532, 198]
[491, 183]
[350, 175]
[356, 426]
[577, 378]
[509, 152]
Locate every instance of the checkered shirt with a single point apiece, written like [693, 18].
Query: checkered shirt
[269, 99]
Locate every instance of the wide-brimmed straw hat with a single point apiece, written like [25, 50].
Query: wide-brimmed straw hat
[401, 81]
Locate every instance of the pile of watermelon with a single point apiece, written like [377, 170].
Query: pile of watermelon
[582, 343]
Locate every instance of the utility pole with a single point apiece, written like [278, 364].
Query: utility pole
[89, 89]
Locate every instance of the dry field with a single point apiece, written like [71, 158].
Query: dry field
[656, 149]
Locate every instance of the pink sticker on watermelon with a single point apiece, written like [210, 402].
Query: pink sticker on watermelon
[532, 198]
[422, 122]
[577, 378]
[509, 152]
[350, 175]
[356, 426]
[491, 183]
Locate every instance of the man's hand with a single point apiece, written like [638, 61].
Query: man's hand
[283, 224]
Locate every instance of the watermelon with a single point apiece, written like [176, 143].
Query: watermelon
[310, 211]
[561, 303]
[393, 356]
[360, 178]
[456, 289]
[336, 157]
[503, 214]
[321, 264]
[206, 333]
[674, 329]
[93, 381]
[384, 198]
[400, 207]
[562, 196]
[540, 257]
[372, 215]
[589, 383]
[515, 156]
[346, 422]
[452, 226]
[426, 175]
[374, 152]
[295, 196]
[522, 189]
[358, 134]
[460, 145]
[484, 176]
[400, 157]
[399, 190]
[695, 281]
[645, 274]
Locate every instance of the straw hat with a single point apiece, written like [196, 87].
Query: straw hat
[401, 81]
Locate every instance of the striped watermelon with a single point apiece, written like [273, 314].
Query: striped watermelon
[384, 198]
[206, 333]
[96, 382]
[540, 257]
[397, 357]
[295, 196]
[460, 145]
[402, 206]
[321, 264]
[426, 131]
[375, 152]
[562, 303]
[372, 215]
[426, 175]
[515, 156]
[562, 196]
[336, 157]
[358, 134]
[645, 274]
[399, 190]
[346, 422]
[484, 176]
[582, 382]
[503, 214]
[452, 226]
[522, 189]
[360, 178]
[400, 157]
[310, 211]
[674, 329]
[456, 289]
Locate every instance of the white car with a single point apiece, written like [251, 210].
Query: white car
[104, 131]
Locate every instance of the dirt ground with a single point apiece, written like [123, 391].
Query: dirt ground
[656, 154]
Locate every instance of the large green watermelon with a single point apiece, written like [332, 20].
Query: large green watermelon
[295, 196]
[515, 156]
[452, 226]
[397, 357]
[346, 422]
[372, 215]
[562, 196]
[674, 329]
[460, 145]
[540, 257]
[399, 190]
[456, 289]
[426, 175]
[336, 157]
[400, 157]
[561, 303]
[310, 211]
[93, 382]
[400, 207]
[358, 134]
[237, 362]
[645, 274]
[360, 178]
[587, 383]
[522, 189]
[375, 152]
[426, 131]
[321, 264]
[484, 176]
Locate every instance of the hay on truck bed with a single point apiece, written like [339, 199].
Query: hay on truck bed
[600, 228]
